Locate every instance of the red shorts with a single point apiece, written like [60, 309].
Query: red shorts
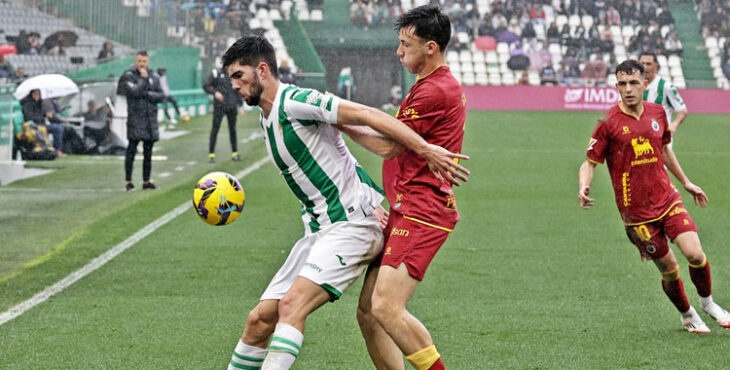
[411, 242]
[651, 237]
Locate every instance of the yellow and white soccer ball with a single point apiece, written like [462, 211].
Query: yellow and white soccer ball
[185, 118]
[218, 198]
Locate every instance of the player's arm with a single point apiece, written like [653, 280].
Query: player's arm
[670, 160]
[372, 140]
[680, 116]
[441, 161]
[585, 179]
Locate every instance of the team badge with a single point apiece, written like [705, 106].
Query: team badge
[655, 125]
[651, 249]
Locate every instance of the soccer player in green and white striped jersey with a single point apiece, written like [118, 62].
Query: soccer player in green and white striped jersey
[340, 203]
[661, 91]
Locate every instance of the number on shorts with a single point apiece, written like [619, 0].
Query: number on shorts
[643, 232]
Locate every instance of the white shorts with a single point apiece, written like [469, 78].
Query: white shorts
[333, 257]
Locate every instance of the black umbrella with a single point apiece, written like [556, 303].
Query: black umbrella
[60, 38]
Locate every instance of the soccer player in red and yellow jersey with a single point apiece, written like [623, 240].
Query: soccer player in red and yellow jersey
[633, 139]
[422, 205]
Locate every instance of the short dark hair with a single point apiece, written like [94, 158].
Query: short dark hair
[250, 50]
[649, 53]
[629, 66]
[428, 23]
[143, 53]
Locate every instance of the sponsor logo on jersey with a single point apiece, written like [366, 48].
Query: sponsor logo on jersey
[463, 99]
[591, 143]
[400, 232]
[313, 267]
[626, 130]
[387, 250]
[410, 113]
[642, 146]
[450, 202]
[677, 210]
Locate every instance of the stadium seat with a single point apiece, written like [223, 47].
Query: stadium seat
[560, 20]
[267, 24]
[493, 69]
[508, 79]
[534, 78]
[674, 61]
[676, 72]
[452, 57]
[467, 67]
[480, 68]
[477, 57]
[481, 79]
[611, 80]
[275, 15]
[717, 72]
[554, 48]
[465, 56]
[468, 79]
[587, 21]
[303, 14]
[715, 62]
[574, 21]
[502, 48]
[254, 23]
[711, 42]
[316, 15]
[723, 83]
[679, 83]
[491, 57]
[262, 14]
[495, 79]
[455, 67]
[457, 76]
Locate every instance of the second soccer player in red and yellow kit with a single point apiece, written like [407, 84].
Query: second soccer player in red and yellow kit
[633, 139]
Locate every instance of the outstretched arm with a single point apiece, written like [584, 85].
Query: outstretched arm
[372, 140]
[670, 160]
[585, 178]
[441, 161]
[678, 119]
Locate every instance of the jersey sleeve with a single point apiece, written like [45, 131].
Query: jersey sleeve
[598, 143]
[423, 110]
[667, 135]
[312, 105]
[673, 97]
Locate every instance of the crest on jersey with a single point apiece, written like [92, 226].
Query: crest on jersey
[655, 125]
[651, 249]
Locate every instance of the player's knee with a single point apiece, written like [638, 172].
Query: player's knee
[260, 323]
[289, 307]
[382, 310]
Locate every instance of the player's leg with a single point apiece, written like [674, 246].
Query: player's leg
[147, 160]
[699, 270]
[164, 109]
[381, 347]
[303, 298]
[250, 351]
[217, 119]
[129, 162]
[232, 115]
[674, 289]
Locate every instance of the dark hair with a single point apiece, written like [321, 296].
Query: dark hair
[143, 53]
[250, 50]
[428, 23]
[649, 53]
[629, 66]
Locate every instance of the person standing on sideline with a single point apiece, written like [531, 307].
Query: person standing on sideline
[162, 72]
[339, 201]
[662, 92]
[142, 89]
[633, 139]
[226, 102]
[422, 206]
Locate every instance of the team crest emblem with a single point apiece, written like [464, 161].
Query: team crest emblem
[651, 249]
[655, 125]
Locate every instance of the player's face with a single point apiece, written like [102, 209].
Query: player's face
[141, 62]
[631, 87]
[411, 50]
[650, 66]
[246, 82]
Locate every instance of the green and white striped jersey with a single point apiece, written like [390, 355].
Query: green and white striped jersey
[313, 159]
[662, 92]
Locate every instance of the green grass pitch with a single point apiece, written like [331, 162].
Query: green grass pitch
[527, 280]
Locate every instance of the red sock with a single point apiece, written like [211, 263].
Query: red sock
[438, 365]
[702, 279]
[675, 291]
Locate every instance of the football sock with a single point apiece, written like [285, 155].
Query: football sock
[247, 357]
[674, 288]
[234, 154]
[211, 155]
[426, 359]
[284, 347]
[701, 278]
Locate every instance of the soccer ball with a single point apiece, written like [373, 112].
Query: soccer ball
[185, 118]
[218, 198]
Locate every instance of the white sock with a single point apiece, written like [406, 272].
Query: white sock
[690, 312]
[284, 347]
[247, 357]
[706, 301]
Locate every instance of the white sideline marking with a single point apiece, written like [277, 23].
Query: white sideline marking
[107, 256]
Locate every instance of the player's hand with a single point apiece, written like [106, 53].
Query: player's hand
[585, 201]
[382, 216]
[143, 73]
[218, 96]
[697, 193]
[442, 164]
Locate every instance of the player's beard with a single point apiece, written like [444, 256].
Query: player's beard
[256, 91]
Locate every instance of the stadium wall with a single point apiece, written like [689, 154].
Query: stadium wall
[563, 98]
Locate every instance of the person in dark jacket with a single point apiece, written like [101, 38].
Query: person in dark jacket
[142, 88]
[34, 110]
[226, 101]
